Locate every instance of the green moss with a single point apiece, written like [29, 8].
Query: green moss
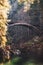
[22, 61]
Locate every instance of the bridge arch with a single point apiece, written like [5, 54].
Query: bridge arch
[25, 24]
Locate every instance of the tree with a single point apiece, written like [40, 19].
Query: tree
[4, 10]
[27, 4]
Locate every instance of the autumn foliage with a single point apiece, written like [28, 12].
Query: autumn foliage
[4, 10]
